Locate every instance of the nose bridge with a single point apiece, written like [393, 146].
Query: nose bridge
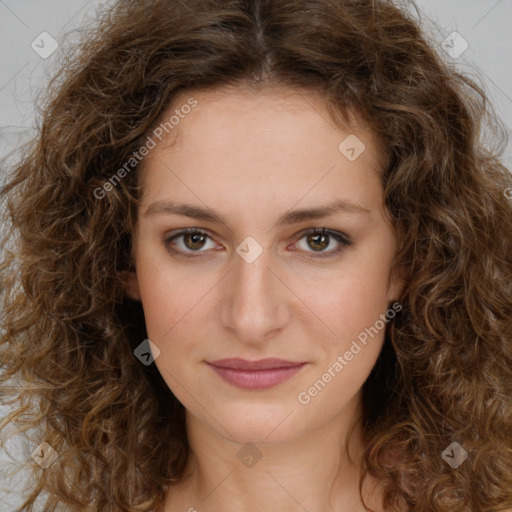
[252, 279]
[254, 305]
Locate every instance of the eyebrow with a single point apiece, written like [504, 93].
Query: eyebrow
[291, 217]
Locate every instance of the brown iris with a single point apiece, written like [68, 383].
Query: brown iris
[197, 240]
[319, 239]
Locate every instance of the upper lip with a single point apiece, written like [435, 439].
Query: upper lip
[262, 364]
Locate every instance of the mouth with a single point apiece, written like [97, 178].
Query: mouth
[255, 375]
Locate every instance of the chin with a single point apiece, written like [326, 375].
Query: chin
[259, 425]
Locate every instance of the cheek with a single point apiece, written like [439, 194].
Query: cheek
[172, 305]
[171, 295]
[346, 302]
[158, 303]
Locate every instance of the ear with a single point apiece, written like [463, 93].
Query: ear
[398, 280]
[131, 284]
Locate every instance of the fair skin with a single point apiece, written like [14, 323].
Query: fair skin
[251, 158]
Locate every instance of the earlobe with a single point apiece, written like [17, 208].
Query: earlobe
[131, 285]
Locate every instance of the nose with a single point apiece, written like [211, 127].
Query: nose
[254, 305]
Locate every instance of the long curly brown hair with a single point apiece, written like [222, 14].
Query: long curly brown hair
[69, 332]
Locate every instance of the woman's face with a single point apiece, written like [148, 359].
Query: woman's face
[255, 285]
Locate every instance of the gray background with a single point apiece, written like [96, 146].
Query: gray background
[484, 24]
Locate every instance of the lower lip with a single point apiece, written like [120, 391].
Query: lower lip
[257, 379]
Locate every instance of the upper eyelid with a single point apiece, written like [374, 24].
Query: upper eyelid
[185, 231]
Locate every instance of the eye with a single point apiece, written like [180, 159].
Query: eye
[192, 240]
[188, 241]
[319, 239]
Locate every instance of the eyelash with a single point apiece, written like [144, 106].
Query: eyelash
[342, 239]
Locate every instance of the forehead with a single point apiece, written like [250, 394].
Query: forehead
[256, 143]
[234, 111]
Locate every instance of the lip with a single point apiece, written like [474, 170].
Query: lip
[262, 364]
[262, 374]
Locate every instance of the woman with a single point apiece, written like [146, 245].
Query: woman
[260, 260]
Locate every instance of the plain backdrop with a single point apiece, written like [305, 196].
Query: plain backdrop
[481, 47]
